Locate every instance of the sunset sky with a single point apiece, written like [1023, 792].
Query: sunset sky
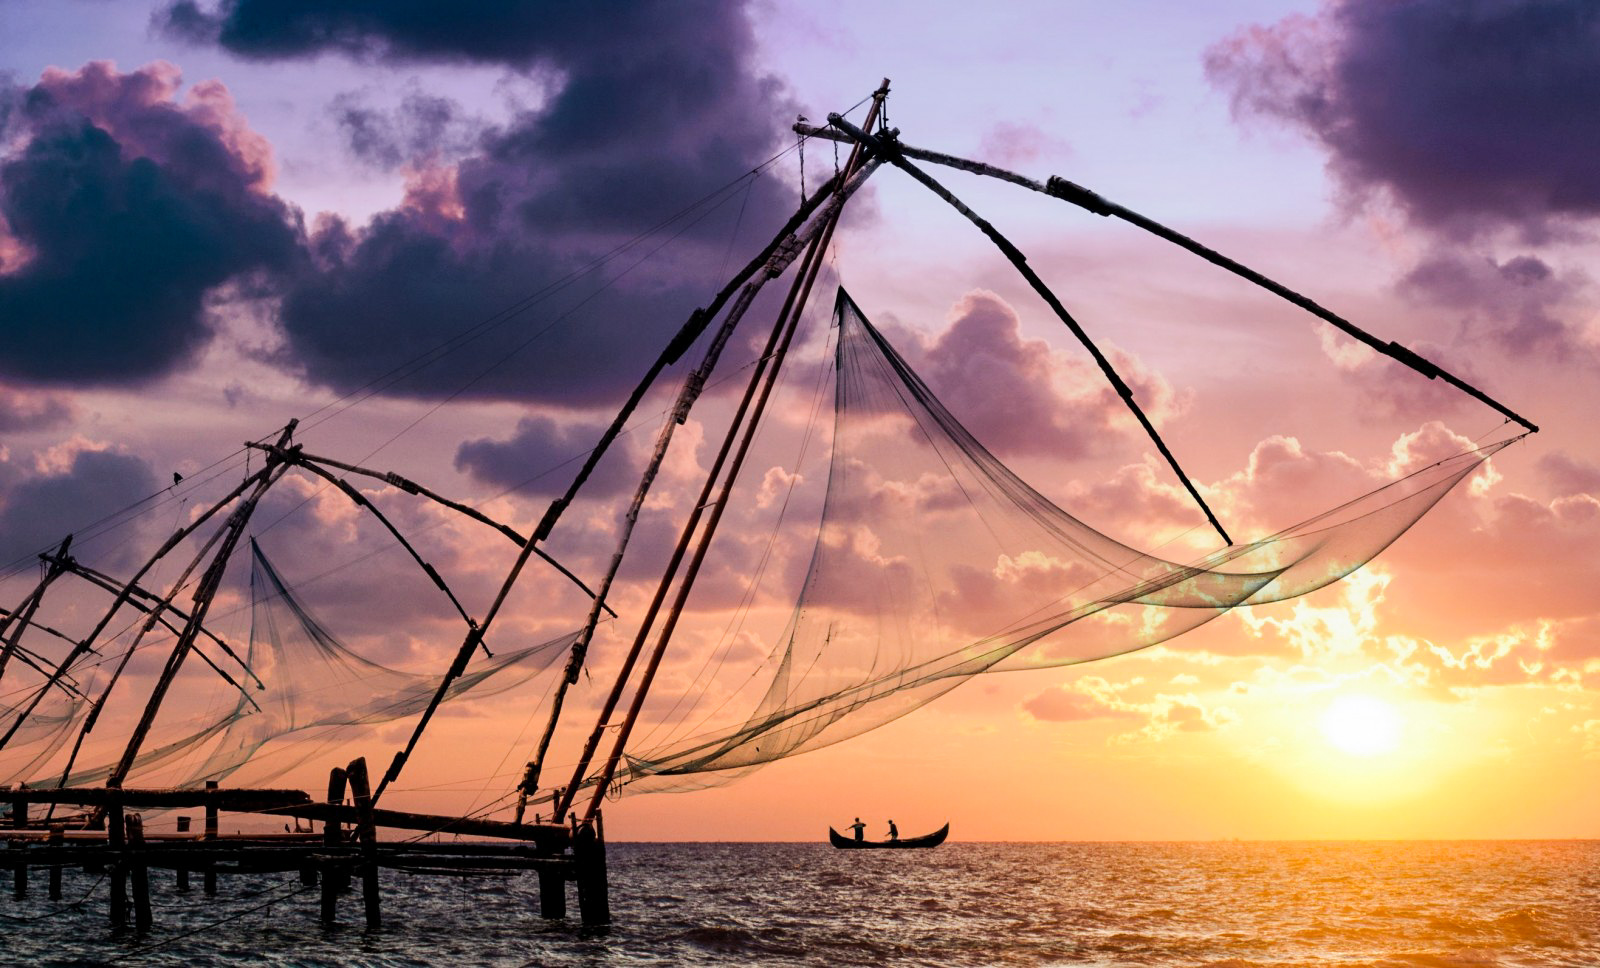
[217, 215]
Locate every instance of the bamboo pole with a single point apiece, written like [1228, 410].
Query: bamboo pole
[783, 250]
[1020, 261]
[22, 616]
[360, 500]
[86, 645]
[204, 594]
[105, 581]
[94, 578]
[1061, 188]
[692, 387]
[563, 801]
[787, 323]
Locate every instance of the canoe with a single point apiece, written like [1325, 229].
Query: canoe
[926, 840]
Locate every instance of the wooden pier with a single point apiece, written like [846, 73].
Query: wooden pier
[107, 833]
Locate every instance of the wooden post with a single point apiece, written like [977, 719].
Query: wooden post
[140, 873]
[552, 893]
[19, 818]
[209, 879]
[117, 842]
[361, 793]
[57, 838]
[183, 872]
[333, 875]
[594, 899]
[19, 869]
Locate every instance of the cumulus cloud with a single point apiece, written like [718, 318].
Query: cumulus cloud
[1467, 114]
[127, 208]
[1017, 396]
[652, 107]
[38, 510]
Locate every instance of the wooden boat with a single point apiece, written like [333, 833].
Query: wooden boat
[926, 840]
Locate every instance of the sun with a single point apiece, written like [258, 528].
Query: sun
[1362, 725]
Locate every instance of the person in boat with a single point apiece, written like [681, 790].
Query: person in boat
[859, 828]
[894, 832]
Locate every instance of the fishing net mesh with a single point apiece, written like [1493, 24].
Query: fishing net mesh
[934, 562]
[313, 691]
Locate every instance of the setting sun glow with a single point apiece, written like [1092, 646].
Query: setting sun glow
[1361, 725]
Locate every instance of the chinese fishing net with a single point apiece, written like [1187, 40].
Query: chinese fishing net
[314, 691]
[935, 562]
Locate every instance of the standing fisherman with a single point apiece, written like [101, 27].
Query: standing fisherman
[860, 829]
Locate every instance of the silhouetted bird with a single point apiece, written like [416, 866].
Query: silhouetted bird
[177, 478]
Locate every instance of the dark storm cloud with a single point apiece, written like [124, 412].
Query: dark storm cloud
[513, 32]
[36, 512]
[654, 106]
[539, 459]
[128, 210]
[1470, 113]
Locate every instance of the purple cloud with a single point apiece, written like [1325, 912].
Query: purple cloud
[529, 461]
[1469, 113]
[124, 210]
[37, 511]
[657, 106]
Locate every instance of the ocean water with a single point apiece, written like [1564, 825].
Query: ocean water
[1223, 905]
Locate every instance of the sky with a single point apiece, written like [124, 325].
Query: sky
[451, 243]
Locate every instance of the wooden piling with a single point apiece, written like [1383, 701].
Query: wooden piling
[209, 879]
[552, 894]
[183, 872]
[589, 852]
[19, 873]
[117, 841]
[19, 869]
[139, 873]
[367, 835]
[58, 837]
[333, 874]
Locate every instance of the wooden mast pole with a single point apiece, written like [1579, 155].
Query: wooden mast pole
[887, 145]
[204, 593]
[302, 459]
[142, 595]
[788, 321]
[846, 185]
[22, 615]
[86, 644]
[261, 480]
[1057, 187]
[776, 257]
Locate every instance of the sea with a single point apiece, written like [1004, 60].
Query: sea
[1429, 904]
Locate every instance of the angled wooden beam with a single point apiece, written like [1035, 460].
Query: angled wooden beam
[1067, 191]
[888, 146]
